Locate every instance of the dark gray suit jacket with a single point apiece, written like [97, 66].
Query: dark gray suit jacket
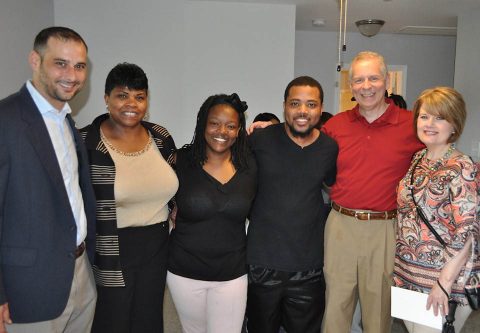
[37, 227]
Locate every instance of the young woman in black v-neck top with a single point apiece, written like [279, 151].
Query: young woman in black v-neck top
[217, 184]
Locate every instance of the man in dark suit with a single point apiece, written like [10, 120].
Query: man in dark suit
[47, 205]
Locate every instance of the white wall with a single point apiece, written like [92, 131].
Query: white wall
[146, 32]
[20, 21]
[430, 60]
[189, 51]
[467, 79]
[238, 47]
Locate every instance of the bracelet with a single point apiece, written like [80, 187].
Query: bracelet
[443, 289]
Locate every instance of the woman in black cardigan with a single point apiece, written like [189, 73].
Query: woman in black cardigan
[130, 162]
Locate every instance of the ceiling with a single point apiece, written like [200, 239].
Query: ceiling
[397, 14]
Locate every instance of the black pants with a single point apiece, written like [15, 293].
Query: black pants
[294, 300]
[137, 307]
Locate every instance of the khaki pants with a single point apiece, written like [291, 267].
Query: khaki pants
[359, 257]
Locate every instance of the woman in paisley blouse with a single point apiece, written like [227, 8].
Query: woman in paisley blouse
[443, 182]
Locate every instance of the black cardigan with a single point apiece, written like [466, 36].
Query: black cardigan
[106, 266]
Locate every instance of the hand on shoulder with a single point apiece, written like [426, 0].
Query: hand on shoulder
[258, 124]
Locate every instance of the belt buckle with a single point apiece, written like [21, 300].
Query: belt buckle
[357, 213]
[79, 250]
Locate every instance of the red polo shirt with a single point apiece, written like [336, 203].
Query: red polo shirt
[372, 157]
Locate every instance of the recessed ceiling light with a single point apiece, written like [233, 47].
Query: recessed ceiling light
[318, 22]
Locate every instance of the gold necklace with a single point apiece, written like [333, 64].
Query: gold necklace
[118, 151]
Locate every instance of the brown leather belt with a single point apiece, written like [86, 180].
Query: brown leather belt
[80, 249]
[365, 216]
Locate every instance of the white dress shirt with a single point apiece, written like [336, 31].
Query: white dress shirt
[64, 145]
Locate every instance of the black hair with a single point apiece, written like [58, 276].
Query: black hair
[324, 118]
[62, 33]
[239, 149]
[303, 81]
[398, 100]
[126, 75]
[266, 116]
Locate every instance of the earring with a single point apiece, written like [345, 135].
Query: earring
[146, 117]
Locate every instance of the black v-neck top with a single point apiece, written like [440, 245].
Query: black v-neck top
[209, 241]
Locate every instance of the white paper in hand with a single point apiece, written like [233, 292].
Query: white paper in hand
[411, 305]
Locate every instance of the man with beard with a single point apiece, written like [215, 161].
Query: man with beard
[47, 205]
[285, 236]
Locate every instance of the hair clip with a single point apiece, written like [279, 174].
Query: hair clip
[238, 104]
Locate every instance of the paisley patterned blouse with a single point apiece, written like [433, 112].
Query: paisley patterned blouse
[449, 196]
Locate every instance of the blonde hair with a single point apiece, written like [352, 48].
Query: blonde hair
[445, 102]
[368, 55]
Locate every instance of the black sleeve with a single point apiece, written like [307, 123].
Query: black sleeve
[331, 174]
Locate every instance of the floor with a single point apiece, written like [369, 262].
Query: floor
[172, 324]
[170, 317]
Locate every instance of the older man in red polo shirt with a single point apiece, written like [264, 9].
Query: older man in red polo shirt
[376, 142]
